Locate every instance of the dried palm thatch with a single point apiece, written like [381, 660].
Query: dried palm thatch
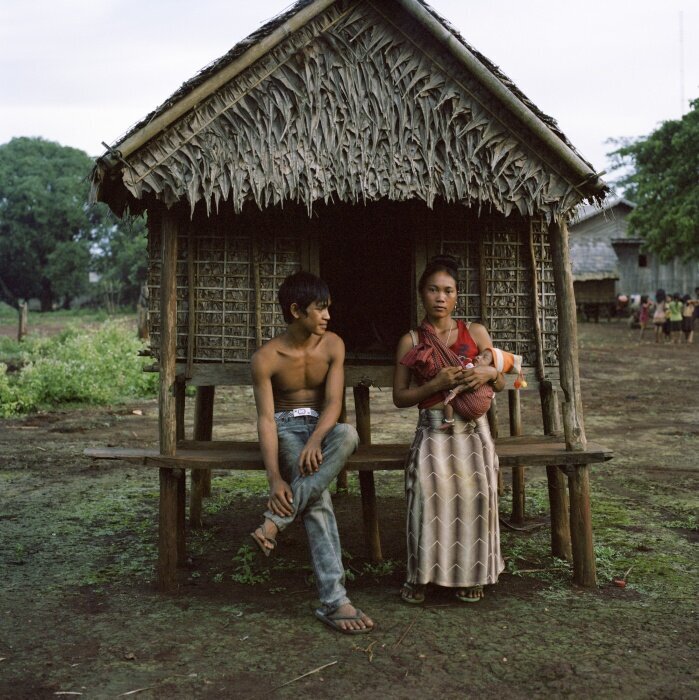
[356, 106]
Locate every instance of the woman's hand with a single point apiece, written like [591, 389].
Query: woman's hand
[475, 377]
[447, 378]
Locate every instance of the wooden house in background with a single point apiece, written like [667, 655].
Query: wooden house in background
[608, 261]
[354, 139]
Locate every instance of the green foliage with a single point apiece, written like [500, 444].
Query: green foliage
[123, 260]
[76, 366]
[244, 571]
[663, 180]
[51, 238]
[45, 224]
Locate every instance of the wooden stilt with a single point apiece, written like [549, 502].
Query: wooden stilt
[168, 531]
[494, 431]
[366, 479]
[517, 517]
[573, 425]
[169, 547]
[558, 493]
[203, 430]
[342, 485]
[168, 333]
[584, 568]
[179, 410]
[181, 475]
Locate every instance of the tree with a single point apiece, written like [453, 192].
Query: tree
[122, 260]
[662, 178]
[46, 225]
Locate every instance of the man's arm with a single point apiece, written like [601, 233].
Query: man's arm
[312, 455]
[280, 494]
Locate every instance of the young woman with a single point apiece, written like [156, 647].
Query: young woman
[451, 476]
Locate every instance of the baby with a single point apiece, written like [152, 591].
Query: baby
[502, 361]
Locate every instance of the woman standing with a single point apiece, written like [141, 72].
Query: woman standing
[451, 476]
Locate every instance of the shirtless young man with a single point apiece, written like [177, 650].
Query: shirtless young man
[298, 381]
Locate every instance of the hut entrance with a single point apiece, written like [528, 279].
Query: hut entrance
[366, 256]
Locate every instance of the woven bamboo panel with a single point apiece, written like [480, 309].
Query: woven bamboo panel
[503, 243]
[225, 299]
[548, 311]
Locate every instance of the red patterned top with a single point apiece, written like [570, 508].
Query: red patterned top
[465, 347]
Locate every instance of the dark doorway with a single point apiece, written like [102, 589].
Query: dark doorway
[366, 256]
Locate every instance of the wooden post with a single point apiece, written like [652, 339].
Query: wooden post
[558, 494]
[517, 516]
[494, 432]
[573, 426]
[168, 334]
[203, 430]
[342, 486]
[366, 479]
[142, 314]
[584, 568]
[170, 549]
[179, 409]
[168, 531]
[23, 313]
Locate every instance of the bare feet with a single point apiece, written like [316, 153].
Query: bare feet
[265, 536]
[347, 619]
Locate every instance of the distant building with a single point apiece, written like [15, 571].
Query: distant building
[606, 261]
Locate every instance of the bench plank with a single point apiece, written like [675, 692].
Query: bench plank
[523, 451]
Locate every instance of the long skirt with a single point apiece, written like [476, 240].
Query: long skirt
[452, 491]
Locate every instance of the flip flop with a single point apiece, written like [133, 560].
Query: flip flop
[471, 599]
[412, 593]
[260, 542]
[332, 621]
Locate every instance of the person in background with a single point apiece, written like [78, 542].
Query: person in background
[674, 315]
[688, 311]
[644, 310]
[660, 313]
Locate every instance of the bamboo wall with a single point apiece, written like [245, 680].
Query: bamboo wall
[238, 262]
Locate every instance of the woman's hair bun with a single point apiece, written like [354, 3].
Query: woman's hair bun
[446, 263]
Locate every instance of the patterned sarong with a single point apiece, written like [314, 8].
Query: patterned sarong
[451, 486]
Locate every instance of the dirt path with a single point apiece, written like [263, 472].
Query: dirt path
[77, 546]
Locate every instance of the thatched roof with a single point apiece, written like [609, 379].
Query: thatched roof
[351, 100]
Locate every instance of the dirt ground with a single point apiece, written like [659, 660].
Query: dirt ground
[79, 615]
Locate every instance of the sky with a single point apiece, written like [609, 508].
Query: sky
[81, 72]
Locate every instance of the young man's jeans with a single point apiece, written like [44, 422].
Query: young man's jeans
[312, 501]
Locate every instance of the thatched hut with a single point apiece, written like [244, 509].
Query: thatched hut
[352, 138]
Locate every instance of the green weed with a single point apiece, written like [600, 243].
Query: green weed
[382, 568]
[244, 571]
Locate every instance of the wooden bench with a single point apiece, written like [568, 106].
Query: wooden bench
[521, 451]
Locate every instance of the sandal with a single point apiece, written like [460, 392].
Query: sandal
[412, 593]
[261, 540]
[333, 619]
[473, 594]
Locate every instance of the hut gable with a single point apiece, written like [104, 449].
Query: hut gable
[591, 234]
[358, 104]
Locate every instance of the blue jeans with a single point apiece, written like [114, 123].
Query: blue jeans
[312, 501]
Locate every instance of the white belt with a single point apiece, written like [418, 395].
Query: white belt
[296, 412]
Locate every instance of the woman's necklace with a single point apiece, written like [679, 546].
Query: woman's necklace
[449, 334]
